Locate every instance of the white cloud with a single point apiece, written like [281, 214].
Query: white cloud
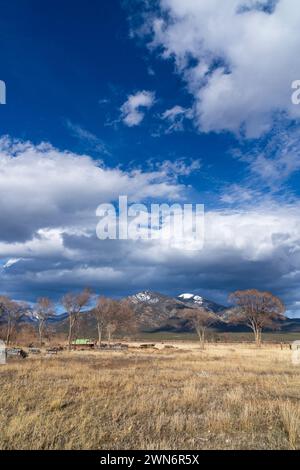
[10, 262]
[48, 200]
[238, 58]
[133, 110]
[175, 116]
[172, 113]
[180, 167]
[239, 194]
[275, 170]
[42, 187]
[273, 160]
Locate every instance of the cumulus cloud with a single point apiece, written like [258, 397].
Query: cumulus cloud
[48, 202]
[48, 241]
[133, 110]
[256, 247]
[239, 58]
[41, 186]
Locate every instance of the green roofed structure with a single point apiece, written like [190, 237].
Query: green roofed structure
[83, 343]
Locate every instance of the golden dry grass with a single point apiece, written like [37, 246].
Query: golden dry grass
[227, 397]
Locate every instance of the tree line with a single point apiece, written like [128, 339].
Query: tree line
[255, 309]
[109, 314]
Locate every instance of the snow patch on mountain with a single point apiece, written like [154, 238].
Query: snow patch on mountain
[145, 297]
[195, 298]
[186, 296]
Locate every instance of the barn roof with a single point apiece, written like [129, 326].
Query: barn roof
[82, 341]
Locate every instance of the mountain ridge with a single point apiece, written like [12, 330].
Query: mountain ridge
[155, 311]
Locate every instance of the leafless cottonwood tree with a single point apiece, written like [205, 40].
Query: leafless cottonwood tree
[103, 313]
[111, 327]
[126, 317]
[121, 318]
[257, 310]
[74, 303]
[43, 311]
[200, 320]
[113, 316]
[4, 307]
[13, 313]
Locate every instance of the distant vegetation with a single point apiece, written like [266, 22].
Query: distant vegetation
[252, 308]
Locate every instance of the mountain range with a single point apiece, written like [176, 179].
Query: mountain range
[158, 312]
[155, 311]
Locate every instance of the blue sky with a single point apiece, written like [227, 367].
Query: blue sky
[62, 68]
[165, 100]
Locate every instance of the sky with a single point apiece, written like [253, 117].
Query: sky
[163, 101]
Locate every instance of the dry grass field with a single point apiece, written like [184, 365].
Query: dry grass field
[227, 397]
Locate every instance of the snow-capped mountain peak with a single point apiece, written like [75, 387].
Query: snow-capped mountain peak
[145, 296]
[195, 298]
[186, 296]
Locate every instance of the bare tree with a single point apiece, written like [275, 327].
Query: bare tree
[43, 311]
[111, 316]
[126, 317]
[111, 328]
[258, 310]
[5, 304]
[74, 303]
[115, 320]
[13, 313]
[103, 313]
[200, 320]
